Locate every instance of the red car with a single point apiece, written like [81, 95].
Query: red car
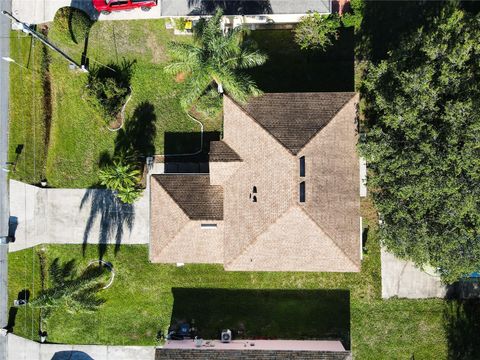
[107, 6]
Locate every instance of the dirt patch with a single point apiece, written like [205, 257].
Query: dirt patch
[117, 123]
[158, 51]
[179, 78]
[47, 88]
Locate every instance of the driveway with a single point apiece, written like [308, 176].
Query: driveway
[403, 279]
[75, 216]
[41, 11]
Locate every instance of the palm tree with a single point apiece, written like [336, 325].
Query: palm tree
[215, 58]
[123, 178]
[73, 293]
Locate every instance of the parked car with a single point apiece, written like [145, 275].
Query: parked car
[107, 6]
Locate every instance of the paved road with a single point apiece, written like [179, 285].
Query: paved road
[23, 349]
[4, 203]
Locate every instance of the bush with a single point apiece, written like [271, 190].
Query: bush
[353, 18]
[72, 24]
[180, 23]
[110, 86]
[316, 31]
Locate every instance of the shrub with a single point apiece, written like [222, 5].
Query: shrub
[72, 24]
[110, 86]
[353, 18]
[316, 31]
[180, 23]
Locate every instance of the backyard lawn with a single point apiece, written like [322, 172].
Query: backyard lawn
[146, 298]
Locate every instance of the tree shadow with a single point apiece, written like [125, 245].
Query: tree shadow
[113, 216]
[386, 23]
[462, 328]
[291, 69]
[265, 314]
[87, 7]
[231, 7]
[138, 134]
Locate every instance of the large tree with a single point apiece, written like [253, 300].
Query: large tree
[215, 58]
[422, 145]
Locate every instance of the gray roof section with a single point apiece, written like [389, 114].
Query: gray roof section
[194, 195]
[295, 118]
[243, 7]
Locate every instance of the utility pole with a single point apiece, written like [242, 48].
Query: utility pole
[26, 28]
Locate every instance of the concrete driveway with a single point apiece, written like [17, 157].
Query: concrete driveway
[403, 279]
[41, 11]
[75, 216]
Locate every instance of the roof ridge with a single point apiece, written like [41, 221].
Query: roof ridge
[258, 123]
[354, 94]
[328, 234]
[252, 242]
[156, 176]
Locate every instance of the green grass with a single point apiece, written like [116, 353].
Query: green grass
[146, 298]
[80, 137]
[27, 120]
[290, 69]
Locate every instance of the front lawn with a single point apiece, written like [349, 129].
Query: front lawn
[71, 139]
[146, 298]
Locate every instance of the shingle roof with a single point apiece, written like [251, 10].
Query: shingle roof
[216, 354]
[220, 151]
[294, 118]
[194, 195]
[265, 227]
[242, 7]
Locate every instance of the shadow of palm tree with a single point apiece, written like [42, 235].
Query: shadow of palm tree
[139, 132]
[113, 216]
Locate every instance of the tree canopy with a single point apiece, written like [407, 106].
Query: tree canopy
[317, 31]
[422, 144]
[216, 58]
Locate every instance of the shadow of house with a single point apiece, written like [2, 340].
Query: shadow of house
[112, 214]
[230, 7]
[71, 355]
[291, 69]
[265, 314]
[462, 326]
[183, 143]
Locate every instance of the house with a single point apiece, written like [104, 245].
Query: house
[282, 192]
[247, 11]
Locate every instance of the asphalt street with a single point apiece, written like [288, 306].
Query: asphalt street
[4, 207]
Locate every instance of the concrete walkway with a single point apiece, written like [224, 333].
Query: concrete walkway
[403, 279]
[41, 11]
[75, 216]
[23, 349]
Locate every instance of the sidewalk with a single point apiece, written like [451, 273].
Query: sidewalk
[23, 349]
[41, 11]
[403, 279]
[75, 216]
